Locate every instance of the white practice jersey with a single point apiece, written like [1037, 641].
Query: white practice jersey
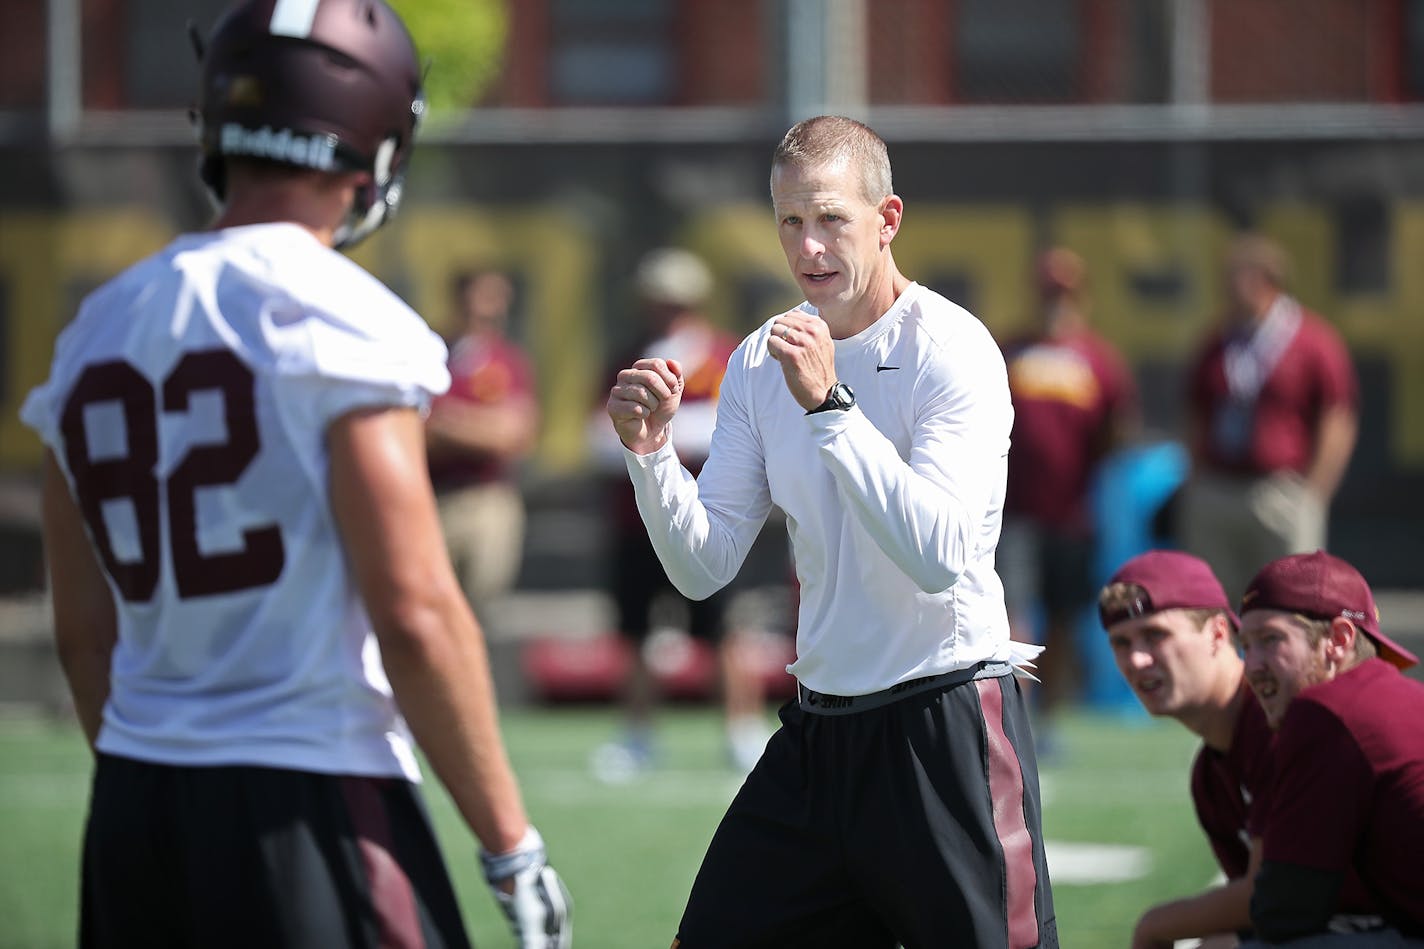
[188, 405]
[893, 506]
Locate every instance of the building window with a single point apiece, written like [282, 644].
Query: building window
[612, 52]
[1017, 50]
[1412, 38]
[1362, 253]
[160, 69]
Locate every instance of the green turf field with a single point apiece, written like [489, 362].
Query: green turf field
[629, 852]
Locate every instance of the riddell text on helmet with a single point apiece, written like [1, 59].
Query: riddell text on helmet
[310, 151]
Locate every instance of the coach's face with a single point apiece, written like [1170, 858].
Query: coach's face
[834, 237]
[1167, 658]
[1280, 659]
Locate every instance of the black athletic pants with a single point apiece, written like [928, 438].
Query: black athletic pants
[916, 822]
[216, 857]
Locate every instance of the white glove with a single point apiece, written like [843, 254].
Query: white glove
[539, 909]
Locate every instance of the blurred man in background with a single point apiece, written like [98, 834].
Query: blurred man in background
[477, 433]
[1170, 627]
[1274, 411]
[672, 286]
[1342, 820]
[1074, 402]
[252, 600]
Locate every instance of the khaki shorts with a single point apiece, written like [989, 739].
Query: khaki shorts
[484, 531]
[1238, 525]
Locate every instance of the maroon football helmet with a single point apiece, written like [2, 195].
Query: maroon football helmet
[333, 85]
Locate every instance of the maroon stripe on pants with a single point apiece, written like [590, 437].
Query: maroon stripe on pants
[1006, 792]
[392, 896]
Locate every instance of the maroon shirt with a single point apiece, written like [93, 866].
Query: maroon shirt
[1313, 374]
[484, 370]
[1066, 393]
[1226, 785]
[1348, 787]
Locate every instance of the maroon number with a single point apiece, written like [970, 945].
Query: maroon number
[262, 556]
[260, 561]
[99, 480]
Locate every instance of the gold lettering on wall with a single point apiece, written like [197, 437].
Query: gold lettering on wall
[1154, 274]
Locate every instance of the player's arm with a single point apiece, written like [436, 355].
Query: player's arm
[505, 430]
[1221, 909]
[434, 655]
[1124, 416]
[701, 528]
[85, 627]
[1198, 415]
[431, 644]
[1334, 443]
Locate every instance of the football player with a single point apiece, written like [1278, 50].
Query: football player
[252, 600]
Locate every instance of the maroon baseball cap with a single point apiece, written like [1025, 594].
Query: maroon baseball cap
[1170, 580]
[1323, 587]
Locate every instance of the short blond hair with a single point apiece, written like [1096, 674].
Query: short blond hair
[1126, 597]
[1316, 629]
[828, 139]
[1261, 254]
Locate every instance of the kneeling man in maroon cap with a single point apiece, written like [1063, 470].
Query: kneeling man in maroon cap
[1346, 798]
[1170, 626]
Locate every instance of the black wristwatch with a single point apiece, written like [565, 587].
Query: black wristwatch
[839, 398]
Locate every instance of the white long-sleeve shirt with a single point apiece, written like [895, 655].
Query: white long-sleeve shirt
[893, 506]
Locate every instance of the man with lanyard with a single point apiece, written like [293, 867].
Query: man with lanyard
[1273, 422]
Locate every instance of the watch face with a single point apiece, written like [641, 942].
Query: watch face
[840, 397]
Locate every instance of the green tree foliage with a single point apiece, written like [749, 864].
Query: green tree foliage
[462, 42]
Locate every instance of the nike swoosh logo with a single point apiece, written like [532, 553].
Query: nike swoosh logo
[885, 368]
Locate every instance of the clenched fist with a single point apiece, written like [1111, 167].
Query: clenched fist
[643, 401]
[802, 344]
